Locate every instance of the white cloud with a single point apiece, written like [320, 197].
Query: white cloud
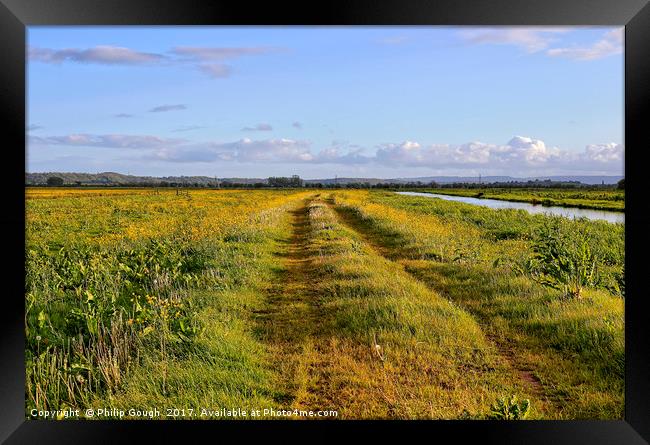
[259, 127]
[405, 152]
[536, 39]
[533, 151]
[103, 54]
[519, 156]
[163, 108]
[218, 53]
[610, 44]
[209, 152]
[106, 140]
[215, 70]
[207, 60]
[530, 39]
[519, 151]
[336, 154]
[273, 150]
[605, 152]
[244, 150]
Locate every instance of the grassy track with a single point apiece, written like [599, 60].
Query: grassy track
[353, 332]
[293, 317]
[372, 304]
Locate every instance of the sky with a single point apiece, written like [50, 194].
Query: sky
[381, 102]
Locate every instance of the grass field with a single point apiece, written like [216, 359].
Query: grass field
[367, 303]
[599, 199]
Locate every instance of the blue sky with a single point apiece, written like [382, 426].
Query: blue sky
[324, 101]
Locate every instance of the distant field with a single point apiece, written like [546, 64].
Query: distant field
[587, 199]
[368, 303]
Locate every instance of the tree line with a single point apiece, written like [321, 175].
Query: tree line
[296, 182]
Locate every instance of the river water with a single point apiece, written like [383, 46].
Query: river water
[568, 212]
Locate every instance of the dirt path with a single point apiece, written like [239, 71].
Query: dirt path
[293, 319]
[505, 352]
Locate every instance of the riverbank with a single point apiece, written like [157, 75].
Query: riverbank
[610, 200]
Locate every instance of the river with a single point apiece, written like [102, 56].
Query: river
[568, 212]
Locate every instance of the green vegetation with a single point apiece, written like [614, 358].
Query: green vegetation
[574, 349]
[370, 303]
[387, 346]
[55, 181]
[601, 199]
[280, 181]
[157, 314]
[563, 258]
[510, 409]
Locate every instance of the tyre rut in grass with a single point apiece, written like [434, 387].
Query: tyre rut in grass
[293, 315]
[348, 330]
[505, 353]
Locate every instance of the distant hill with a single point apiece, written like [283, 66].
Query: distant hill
[112, 178]
[587, 179]
[592, 180]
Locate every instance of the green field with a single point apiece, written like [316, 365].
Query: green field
[367, 303]
[599, 199]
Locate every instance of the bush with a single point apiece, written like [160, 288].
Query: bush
[511, 409]
[562, 257]
[55, 181]
[89, 309]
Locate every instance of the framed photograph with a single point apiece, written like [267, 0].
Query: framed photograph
[359, 216]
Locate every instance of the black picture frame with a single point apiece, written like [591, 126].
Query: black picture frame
[16, 15]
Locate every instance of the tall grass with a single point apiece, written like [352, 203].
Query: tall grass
[575, 347]
[100, 303]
